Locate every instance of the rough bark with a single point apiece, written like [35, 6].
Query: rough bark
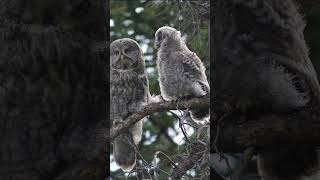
[157, 107]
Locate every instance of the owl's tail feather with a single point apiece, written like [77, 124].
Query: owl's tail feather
[124, 153]
[289, 162]
[200, 114]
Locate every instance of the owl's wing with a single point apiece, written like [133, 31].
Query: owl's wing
[189, 64]
[145, 84]
[191, 68]
[139, 94]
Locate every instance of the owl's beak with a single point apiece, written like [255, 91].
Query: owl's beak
[123, 62]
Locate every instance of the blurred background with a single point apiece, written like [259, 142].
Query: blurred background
[139, 20]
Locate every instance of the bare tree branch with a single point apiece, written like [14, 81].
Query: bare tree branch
[154, 107]
[197, 150]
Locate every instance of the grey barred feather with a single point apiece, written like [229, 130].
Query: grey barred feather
[181, 72]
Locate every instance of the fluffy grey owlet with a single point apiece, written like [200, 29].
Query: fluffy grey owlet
[181, 72]
[262, 64]
[129, 91]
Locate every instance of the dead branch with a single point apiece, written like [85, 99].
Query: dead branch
[154, 107]
[196, 152]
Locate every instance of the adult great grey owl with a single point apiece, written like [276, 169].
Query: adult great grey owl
[129, 91]
[181, 72]
[262, 64]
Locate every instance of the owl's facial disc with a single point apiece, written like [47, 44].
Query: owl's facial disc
[124, 62]
[125, 55]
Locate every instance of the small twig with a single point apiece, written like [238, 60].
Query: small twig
[199, 130]
[195, 155]
[146, 164]
[167, 157]
[181, 124]
[190, 125]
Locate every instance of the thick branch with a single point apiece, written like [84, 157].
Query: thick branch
[269, 130]
[154, 107]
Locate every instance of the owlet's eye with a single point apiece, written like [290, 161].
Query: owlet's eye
[159, 37]
[116, 53]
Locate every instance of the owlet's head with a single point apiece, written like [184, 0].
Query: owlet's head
[166, 34]
[126, 54]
